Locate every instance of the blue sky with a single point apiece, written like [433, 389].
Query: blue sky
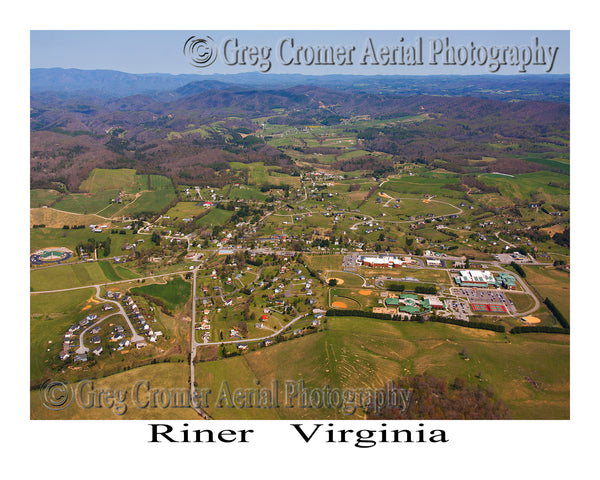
[162, 51]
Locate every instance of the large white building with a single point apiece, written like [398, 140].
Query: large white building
[384, 261]
[475, 278]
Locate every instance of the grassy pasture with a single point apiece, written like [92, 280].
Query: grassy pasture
[39, 197]
[51, 315]
[57, 237]
[430, 184]
[68, 276]
[101, 179]
[103, 185]
[524, 185]
[216, 217]
[552, 283]
[185, 210]
[152, 201]
[86, 203]
[361, 353]
[165, 376]
[246, 193]
[175, 292]
[56, 219]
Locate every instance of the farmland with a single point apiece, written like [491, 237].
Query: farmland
[174, 293]
[70, 276]
[358, 353]
[327, 233]
[141, 193]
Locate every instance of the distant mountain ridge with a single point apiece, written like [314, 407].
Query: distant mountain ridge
[114, 84]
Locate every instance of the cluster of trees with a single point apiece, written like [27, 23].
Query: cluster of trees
[434, 398]
[321, 242]
[332, 312]
[265, 187]
[73, 227]
[376, 165]
[93, 244]
[156, 238]
[426, 289]
[563, 239]
[155, 300]
[518, 268]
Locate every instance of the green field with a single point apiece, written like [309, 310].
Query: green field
[86, 203]
[54, 237]
[39, 197]
[153, 192]
[120, 179]
[51, 315]
[160, 376]
[552, 283]
[174, 293]
[216, 216]
[363, 353]
[431, 184]
[524, 186]
[185, 210]
[70, 276]
[246, 193]
[150, 202]
[357, 352]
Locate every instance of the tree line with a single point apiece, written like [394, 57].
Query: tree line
[557, 313]
[416, 318]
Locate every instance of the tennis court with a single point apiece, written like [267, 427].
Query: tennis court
[488, 307]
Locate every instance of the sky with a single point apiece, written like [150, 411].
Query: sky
[162, 51]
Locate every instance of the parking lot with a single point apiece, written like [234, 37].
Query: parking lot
[459, 309]
[484, 296]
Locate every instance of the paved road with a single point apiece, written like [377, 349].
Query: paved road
[502, 240]
[527, 290]
[193, 346]
[134, 335]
